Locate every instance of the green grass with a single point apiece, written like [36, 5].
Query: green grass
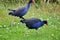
[17, 30]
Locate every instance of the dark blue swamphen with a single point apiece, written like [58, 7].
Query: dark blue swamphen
[20, 12]
[33, 23]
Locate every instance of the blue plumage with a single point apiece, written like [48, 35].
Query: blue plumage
[20, 12]
[33, 23]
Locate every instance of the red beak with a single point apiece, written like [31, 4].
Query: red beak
[33, 1]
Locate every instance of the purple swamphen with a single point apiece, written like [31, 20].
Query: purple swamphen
[20, 12]
[34, 23]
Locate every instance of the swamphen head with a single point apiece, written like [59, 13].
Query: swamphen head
[45, 22]
[33, 23]
[32, 1]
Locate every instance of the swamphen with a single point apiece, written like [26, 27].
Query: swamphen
[33, 23]
[20, 12]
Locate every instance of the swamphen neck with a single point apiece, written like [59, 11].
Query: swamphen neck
[28, 5]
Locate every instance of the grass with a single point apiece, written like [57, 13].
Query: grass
[17, 30]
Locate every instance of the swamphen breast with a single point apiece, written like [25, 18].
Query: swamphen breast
[33, 23]
[20, 12]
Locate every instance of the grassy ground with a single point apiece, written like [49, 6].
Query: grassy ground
[17, 30]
